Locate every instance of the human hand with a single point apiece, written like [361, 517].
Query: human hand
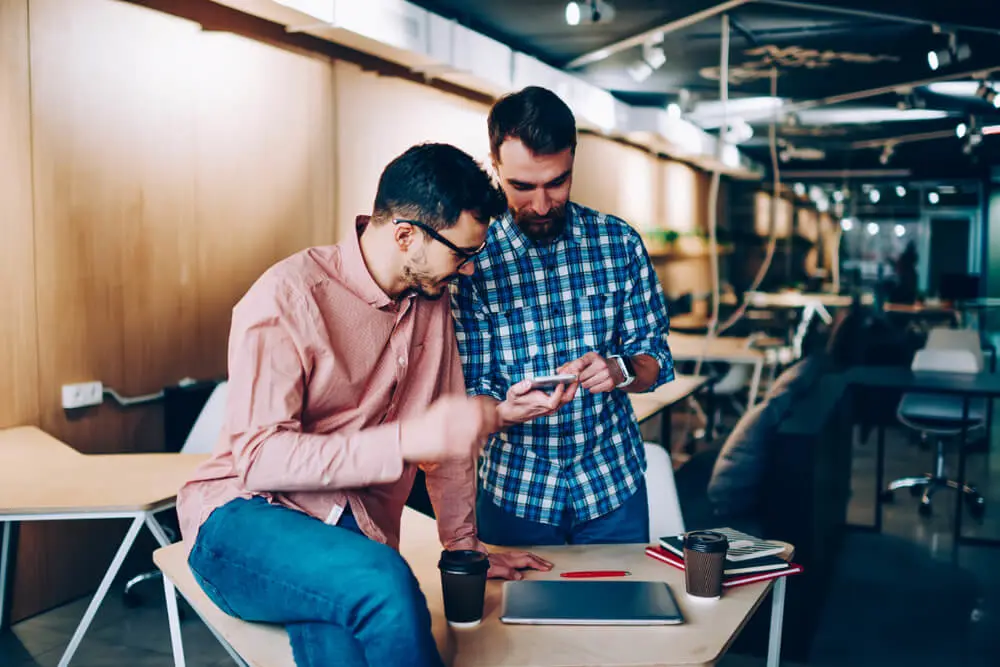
[524, 403]
[597, 375]
[453, 427]
[508, 565]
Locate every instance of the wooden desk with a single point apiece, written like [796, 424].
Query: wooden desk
[660, 400]
[43, 479]
[649, 404]
[708, 631]
[732, 350]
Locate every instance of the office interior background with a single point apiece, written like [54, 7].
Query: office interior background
[156, 156]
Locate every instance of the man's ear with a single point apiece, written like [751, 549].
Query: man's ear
[404, 234]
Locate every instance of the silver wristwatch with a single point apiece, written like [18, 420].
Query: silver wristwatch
[625, 365]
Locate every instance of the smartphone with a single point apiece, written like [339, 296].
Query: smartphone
[551, 381]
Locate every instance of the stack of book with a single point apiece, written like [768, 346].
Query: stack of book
[748, 560]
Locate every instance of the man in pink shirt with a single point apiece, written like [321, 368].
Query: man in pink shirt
[344, 375]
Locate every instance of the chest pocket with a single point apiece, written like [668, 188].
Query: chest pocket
[598, 317]
[515, 336]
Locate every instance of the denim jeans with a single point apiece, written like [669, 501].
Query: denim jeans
[344, 599]
[626, 524]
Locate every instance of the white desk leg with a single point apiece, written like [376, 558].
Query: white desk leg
[777, 616]
[5, 557]
[102, 590]
[176, 644]
[758, 368]
[156, 529]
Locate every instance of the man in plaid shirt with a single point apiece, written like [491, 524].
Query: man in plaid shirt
[559, 288]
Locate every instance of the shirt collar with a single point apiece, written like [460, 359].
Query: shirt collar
[356, 272]
[520, 244]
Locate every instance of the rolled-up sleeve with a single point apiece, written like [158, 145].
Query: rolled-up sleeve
[269, 359]
[472, 331]
[645, 323]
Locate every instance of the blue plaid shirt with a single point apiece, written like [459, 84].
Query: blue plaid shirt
[527, 310]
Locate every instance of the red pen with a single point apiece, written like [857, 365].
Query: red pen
[592, 574]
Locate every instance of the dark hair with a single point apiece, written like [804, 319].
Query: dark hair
[536, 116]
[435, 183]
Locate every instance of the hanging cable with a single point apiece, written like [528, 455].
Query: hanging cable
[773, 214]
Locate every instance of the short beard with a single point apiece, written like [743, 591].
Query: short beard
[544, 234]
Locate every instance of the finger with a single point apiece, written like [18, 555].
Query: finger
[571, 392]
[520, 389]
[504, 572]
[589, 372]
[538, 563]
[594, 380]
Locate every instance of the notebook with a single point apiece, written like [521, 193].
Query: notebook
[544, 602]
[730, 580]
[742, 546]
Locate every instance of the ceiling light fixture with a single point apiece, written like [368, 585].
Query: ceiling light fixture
[595, 11]
[652, 59]
[674, 110]
[955, 52]
[900, 191]
[872, 228]
[874, 195]
[961, 129]
[846, 224]
[933, 197]
[900, 231]
[573, 13]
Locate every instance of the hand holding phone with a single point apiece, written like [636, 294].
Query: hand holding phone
[552, 381]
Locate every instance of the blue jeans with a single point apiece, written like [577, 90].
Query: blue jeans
[344, 599]
[626, 524]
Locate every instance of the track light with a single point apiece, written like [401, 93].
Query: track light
[874, 195]
[933, 197]
[955, 52]
[900, 231]
[961, 130]
[595, 11]
[872, 228]
[652, 59]
[847, 224]
[900, 191]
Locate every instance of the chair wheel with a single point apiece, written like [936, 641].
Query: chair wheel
[887, 496]
[925, 509]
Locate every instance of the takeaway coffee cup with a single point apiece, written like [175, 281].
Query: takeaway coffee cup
[463, 582]
[704, 563]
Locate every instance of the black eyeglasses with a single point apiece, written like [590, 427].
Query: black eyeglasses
[466, 255]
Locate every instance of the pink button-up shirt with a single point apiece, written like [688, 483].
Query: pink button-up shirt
[323, 365]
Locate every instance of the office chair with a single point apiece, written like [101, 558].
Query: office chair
[940, 415]
[200, 440]
[665, 517]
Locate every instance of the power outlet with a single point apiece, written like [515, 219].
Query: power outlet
[82, 395]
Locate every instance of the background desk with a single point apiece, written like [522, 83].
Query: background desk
[43, 479]
[731, 350]
[967, 385]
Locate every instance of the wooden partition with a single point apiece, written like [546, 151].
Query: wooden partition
[167, 168]
[18, 330]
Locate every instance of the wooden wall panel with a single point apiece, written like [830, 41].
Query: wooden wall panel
[172, 166]
[618, 179]
[264, 171]
[380, 117]
[18, 351]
